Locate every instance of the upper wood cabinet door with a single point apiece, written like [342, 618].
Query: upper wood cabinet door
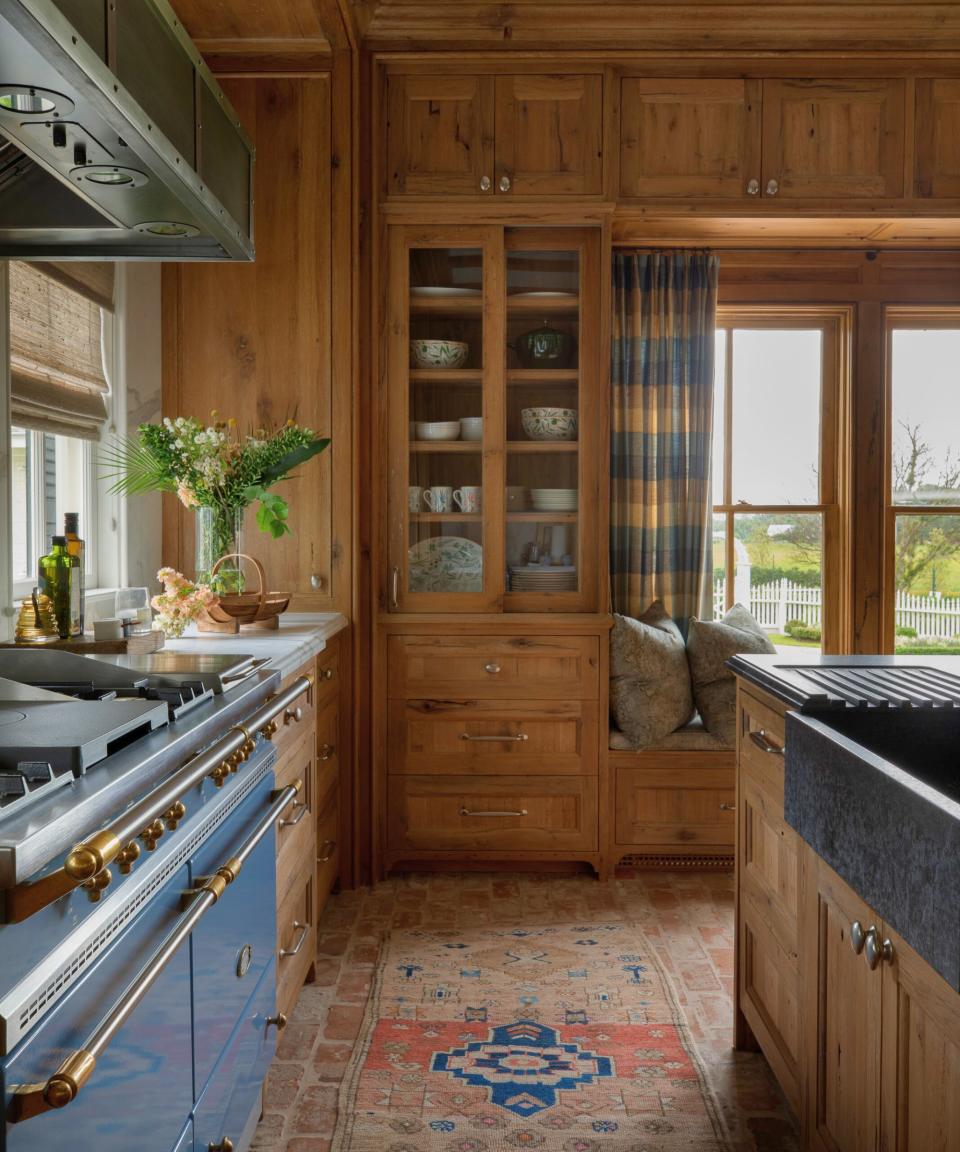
[549, 135]
[439, 135]
[843, 1013]
[920, 1076]
[826, 139]
[689, 138]
[938, 138]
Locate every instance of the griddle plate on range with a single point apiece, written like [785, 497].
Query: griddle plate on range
[899, 686]
[72, 735]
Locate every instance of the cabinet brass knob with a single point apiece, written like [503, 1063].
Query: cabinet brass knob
[279, 1021]
[753, 187]
[225, 1145]
[293, 715]
[328, 673]
[773, 187]
[504, 184]
[725, 807]
[325, 751]
[875, 951]
[857, 937]
[493, 669]
[484, 183]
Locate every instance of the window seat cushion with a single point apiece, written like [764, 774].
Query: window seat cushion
[692, 737]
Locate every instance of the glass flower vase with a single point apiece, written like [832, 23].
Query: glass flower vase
[219, 533]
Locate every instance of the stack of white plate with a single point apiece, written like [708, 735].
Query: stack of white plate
[543, 578]
[554, 499]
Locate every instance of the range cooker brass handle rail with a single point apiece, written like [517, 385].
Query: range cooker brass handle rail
[87, 863]
[30, 1100]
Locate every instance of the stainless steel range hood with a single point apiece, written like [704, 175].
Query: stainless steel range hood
[115, 140]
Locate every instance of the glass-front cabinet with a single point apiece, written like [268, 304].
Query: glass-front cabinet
[493, 430]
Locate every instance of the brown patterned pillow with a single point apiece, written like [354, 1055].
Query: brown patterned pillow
[650, 693]
[710, 644]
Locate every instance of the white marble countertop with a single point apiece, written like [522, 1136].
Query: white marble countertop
[300, 637]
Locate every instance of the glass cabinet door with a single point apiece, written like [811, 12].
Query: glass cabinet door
[551, 418]
[440, 387]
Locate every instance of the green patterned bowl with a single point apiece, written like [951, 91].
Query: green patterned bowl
[438, 353]
[549, 423]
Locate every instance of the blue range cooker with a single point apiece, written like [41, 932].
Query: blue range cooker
[137, 952]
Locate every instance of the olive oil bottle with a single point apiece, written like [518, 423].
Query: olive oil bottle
[60, 580]
[77, 547]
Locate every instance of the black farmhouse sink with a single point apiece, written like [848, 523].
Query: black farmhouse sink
[876, 793]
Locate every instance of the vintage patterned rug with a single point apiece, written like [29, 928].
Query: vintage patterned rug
[565, 1038]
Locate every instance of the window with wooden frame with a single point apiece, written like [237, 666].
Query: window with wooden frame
[922, 524]
[779, 380]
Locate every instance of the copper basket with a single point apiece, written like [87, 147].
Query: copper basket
[236, 610]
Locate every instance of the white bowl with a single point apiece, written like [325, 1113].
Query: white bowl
[549, 423]
[439, 353]
[471, 428]
[438, 430]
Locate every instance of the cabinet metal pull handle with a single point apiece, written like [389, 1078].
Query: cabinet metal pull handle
[301, 940]
[328, 847]
[874, 951]
[395, 588]
[225, 1145]
[765, 744]
[292, 823]
[726, 807]
[519, 738]
[485, 184]
[494, 812]
[325, 751]
[504, 184]
[493, 669]
[857, 937]
[773, 187]
[30, 1100]
[753, 187]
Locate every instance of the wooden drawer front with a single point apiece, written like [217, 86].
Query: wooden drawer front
[514, 813]
[769, 862]
[328, 851]
[492, 737]
[291, 729]
[492, 667]
[328, 673]
[328, 755]
[760, 744]
[296, 828]
[669, 806]
[296, 938]
[770, 999]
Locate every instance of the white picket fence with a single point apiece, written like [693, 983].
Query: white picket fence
[773, 604]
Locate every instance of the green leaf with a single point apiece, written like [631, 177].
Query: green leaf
[133, 468]
[281, 468]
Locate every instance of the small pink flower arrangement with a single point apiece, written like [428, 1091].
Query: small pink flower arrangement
[180, 601]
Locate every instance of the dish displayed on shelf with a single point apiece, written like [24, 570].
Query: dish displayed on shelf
[543, 578]
[549, 423]
[443, 291]
[542, 295]
[544, 347]
[446, 564]
[437, 429]
[471, 427]
[554, 499]
[439, 353]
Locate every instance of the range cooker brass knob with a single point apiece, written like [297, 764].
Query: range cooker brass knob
[225, 1145]
[151, 834]
[96, 885]
[174, 814]
[126, 857]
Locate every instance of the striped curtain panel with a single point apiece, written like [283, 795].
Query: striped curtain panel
[662, 422]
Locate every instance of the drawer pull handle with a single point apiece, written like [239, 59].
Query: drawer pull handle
[765, 744]
[493, 669]
[303, 809]
[301, 940]
[493, 812]
[293, 715]
[325, 751]
[518, 739]
[725, 807]
[329, 847]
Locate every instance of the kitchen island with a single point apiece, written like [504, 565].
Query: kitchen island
[848, 925]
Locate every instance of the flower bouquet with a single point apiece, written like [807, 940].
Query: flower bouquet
[180, 602]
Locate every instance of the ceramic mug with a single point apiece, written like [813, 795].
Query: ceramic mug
[469, 498]
[414, 495]
[439, 499]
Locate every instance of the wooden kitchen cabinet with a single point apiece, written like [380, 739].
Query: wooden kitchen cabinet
[690, 139]
[478, 135]
[764, 139]
[882, 1044]
[768, 988]
[937, 139]
[833, 139]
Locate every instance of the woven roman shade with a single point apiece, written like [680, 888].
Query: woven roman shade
[90, 278]
[57, 381]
